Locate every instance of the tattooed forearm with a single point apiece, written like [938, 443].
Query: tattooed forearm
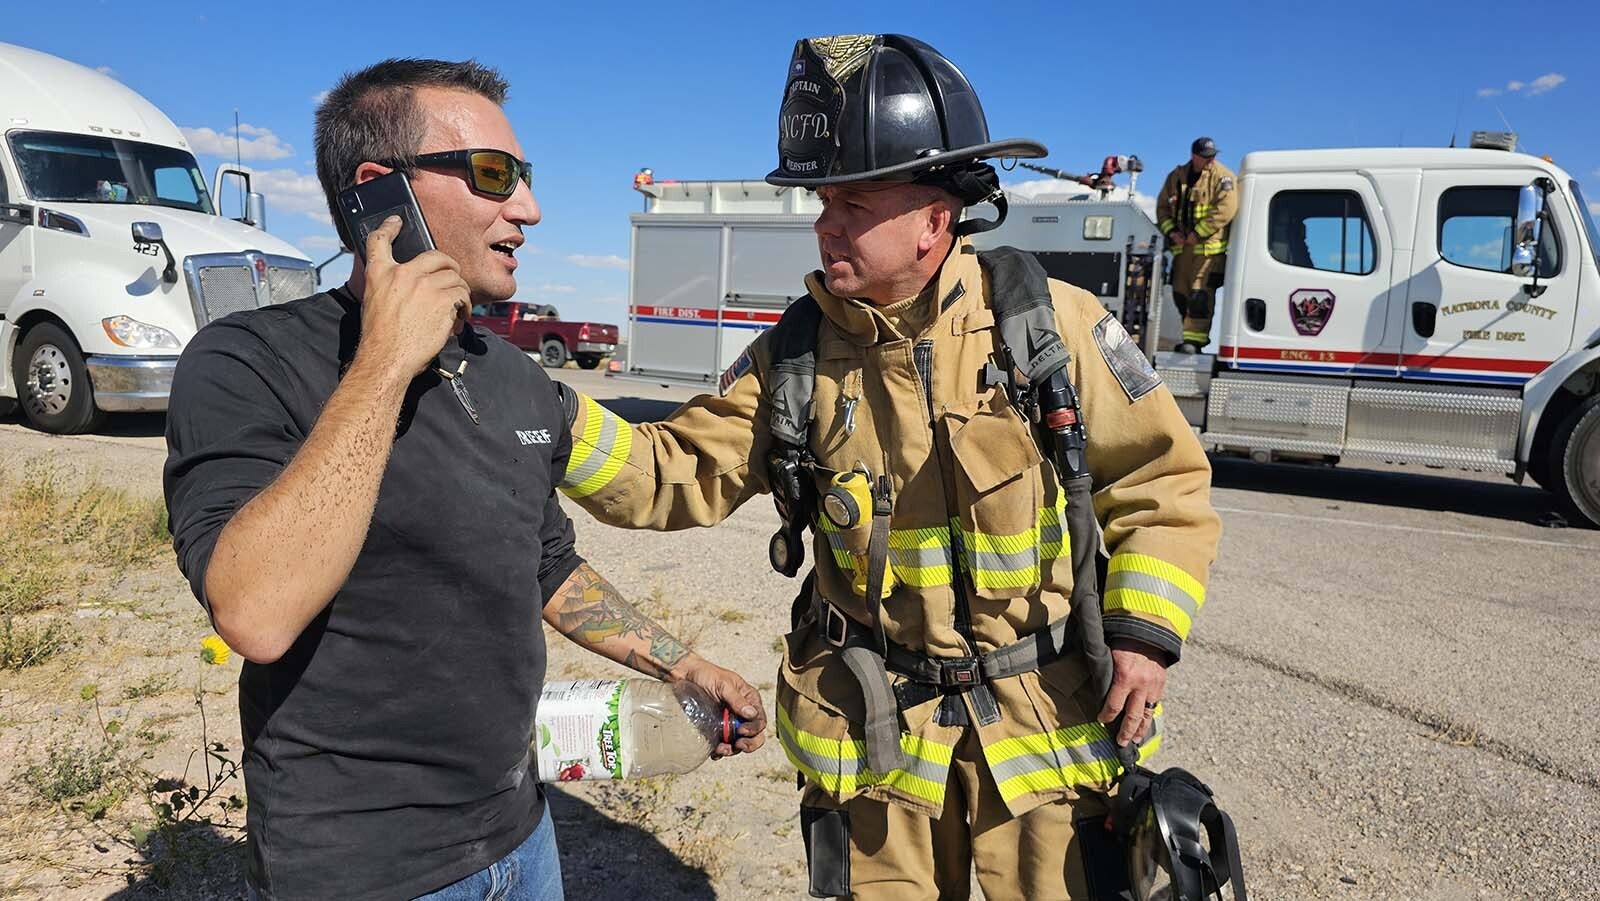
[588, 610]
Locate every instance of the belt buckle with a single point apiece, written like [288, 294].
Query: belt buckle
[960, 673]
[835, 625]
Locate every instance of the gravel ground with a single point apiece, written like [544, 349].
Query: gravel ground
[1385, 690]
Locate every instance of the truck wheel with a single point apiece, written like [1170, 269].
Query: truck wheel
[53, 382]
[1575, 461]
[588, 361]
[553, 353]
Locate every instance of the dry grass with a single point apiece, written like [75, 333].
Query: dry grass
[60, 540]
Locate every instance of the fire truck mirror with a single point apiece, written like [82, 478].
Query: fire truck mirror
[1525, 234]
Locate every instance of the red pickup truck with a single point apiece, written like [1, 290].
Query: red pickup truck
[538, 327]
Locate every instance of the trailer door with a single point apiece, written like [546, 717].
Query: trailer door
[676, 287]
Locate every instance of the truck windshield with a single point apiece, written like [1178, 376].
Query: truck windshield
[1586, 213]
[88, 169]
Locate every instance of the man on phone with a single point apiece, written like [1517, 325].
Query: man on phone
[360, 487]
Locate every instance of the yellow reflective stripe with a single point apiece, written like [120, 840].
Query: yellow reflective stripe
[1144, 584]
[1072, 755]
[1054, 542]
[1211, 248]
[925, 777]
[1204, 230]
[1166, 225]
[599, 453]
[919, 557]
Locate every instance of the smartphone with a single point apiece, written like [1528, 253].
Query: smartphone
[363, 208]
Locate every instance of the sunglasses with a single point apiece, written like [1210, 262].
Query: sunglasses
[493, 172]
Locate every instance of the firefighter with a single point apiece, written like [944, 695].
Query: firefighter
[934, 696]
[1196, 206]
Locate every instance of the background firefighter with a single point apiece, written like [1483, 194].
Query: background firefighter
[1194, 210]
[941, 549]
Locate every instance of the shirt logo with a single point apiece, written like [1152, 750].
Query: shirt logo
[533, 436]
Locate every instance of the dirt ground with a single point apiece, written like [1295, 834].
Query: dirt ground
[1368, 690]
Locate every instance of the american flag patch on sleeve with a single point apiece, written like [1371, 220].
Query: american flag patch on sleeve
[732, 374]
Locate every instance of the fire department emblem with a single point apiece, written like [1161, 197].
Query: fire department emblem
[1310, 309]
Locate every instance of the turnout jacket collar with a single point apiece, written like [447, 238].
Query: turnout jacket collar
[864, 324]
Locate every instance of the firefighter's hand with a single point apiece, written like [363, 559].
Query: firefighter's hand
[1191, 238]
[408, 309]
[1177, 239]
[1139, 678]
[735, 694]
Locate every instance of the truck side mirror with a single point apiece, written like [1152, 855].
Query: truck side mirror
[1525, 233]
[150, 233]
[255, 210]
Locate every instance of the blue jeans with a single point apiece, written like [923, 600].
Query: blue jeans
[531, 872]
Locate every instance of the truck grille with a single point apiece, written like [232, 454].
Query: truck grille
[286, 284]
[224, 290]
[224, 283]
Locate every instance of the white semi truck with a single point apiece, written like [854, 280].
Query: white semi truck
[1438, 306]
[112, 252]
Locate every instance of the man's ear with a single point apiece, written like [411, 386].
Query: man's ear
[368, 171]
[937, 225]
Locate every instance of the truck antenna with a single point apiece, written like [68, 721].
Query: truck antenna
[1504, 121]
[238, 160]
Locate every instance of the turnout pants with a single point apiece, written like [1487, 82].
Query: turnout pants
[1195, 280]
[875, 851]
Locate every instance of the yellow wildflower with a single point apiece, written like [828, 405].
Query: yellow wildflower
[214, 650]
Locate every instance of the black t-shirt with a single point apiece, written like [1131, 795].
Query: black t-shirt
[387, 753]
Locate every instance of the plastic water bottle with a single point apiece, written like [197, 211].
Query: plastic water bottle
[626, 729]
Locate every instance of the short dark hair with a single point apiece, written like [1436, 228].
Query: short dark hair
[372, 115]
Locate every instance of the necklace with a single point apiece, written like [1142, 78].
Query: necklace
[459, 386]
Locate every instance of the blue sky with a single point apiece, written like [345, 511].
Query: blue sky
[691, 89]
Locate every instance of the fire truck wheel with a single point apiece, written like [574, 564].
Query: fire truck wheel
[1575, 461]
[553, 353]
[53, 383]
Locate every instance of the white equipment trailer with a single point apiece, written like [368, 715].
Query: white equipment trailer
[716, 262]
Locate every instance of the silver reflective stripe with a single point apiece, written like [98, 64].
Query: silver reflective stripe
[1153, 585]
[1022, 764]
[610, 423]
[856, 767]
[1015, 561]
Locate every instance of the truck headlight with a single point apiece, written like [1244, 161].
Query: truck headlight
[129, 332]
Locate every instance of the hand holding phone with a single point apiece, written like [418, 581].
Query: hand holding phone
[408, 310]
[363, 207]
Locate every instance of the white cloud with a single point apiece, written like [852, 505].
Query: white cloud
[1515, 85]
[318, 97]
[253, 143]
[1056, 190]
[550, 288]
[597, 261]
[1489, 92]
[1547, 82]
[292, 192]
[1594, 207]
[106, 71]
[316, 243]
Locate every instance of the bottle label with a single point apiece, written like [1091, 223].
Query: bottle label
[577, 735]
